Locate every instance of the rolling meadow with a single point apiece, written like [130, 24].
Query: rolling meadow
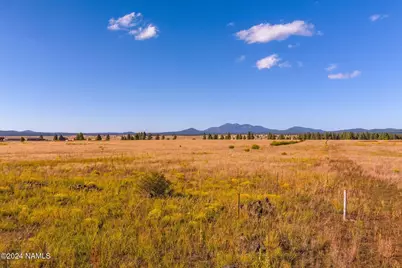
[201, 203]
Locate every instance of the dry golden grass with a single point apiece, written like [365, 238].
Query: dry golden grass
[77, 200]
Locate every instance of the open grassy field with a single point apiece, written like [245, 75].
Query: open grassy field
[228, 206]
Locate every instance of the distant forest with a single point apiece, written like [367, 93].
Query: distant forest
[308, 136]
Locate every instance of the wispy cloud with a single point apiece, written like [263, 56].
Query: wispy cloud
[353, 74]
[265, 32]
[293, 45]
[300, 64]
[133, 23]
[241, 58]
[331, 67]
[272, 61]
[376, 17]
[230, 24]
[284, 64]
[144, 33]
[268, 62]
[125, 22]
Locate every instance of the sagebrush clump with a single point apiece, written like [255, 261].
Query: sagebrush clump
[255, 147]
[153, 185]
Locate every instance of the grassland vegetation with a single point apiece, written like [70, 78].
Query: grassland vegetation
[155, 204]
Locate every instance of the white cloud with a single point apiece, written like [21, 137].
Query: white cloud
[376, 17]
[132, 23]
[293, 45]
[353, 74]
[125, 22]
[144, 33]
[241, 58]
[265, 32]
[331, 67]
[230, 24]
[268, 62]
[284, 64]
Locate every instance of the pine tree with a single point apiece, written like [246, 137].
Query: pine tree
[157, 137]
[149, 137]
[222, 137]
[80, 137]
[163, 137]
[210, 136]
[98, 137]
[174, 137]
[204, 137]
[215, 136]
[22, 139]
[55, 138]
[108, 137]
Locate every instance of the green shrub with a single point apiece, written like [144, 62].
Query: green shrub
[153, 185]
[278, 143]
[80, 137]
[231, 146]
[255, 147]
[247, 150]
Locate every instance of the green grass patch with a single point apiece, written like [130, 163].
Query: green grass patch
[279, 143]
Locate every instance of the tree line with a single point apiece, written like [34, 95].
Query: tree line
[349, 136]
[251, 136]
[145, 136]
[307, 136]
[79, 137]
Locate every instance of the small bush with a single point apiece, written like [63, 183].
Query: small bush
[247, 150]
[284, 153]
[231, 146]
[154, 185]
[255, 147]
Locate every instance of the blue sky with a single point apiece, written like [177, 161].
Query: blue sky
[169, 65]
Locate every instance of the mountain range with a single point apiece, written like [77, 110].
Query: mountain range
[226, 128]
